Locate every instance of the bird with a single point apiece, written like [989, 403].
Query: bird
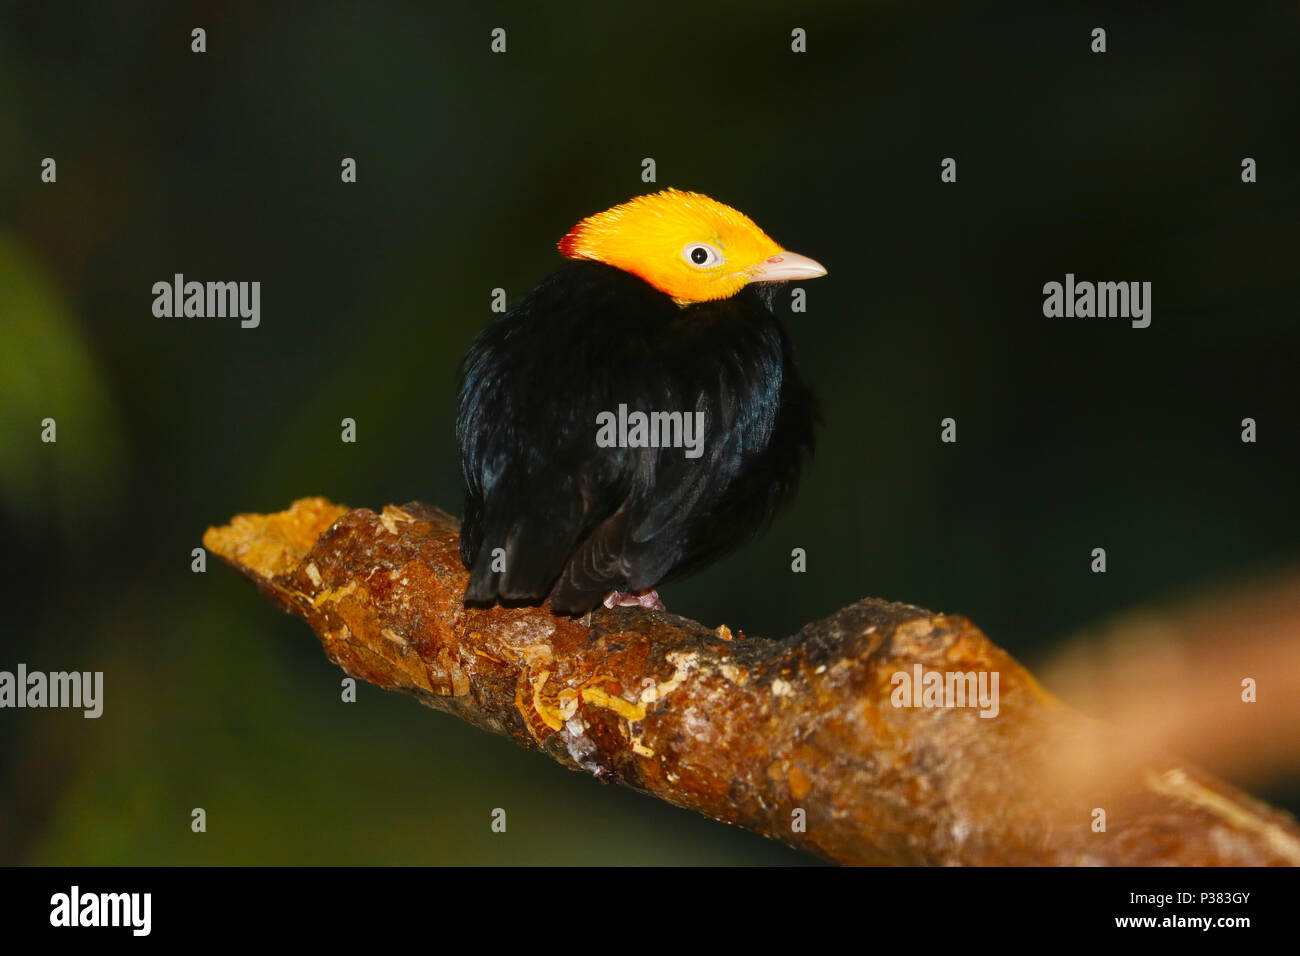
[637, 415]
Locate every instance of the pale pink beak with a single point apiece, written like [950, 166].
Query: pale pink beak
[785, 266]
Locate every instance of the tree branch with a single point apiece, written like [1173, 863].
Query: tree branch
[746, 730]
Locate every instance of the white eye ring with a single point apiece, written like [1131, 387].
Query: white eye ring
[702, 255]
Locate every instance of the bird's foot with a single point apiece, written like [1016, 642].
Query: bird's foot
[645, 598]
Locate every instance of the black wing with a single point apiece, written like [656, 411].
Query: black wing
[568, 519]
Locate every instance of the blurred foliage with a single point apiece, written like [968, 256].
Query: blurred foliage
[1072, 433]
[47, 372]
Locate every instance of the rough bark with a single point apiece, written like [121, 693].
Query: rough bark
[748, 730]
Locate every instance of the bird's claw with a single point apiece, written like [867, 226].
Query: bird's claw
[645, 598]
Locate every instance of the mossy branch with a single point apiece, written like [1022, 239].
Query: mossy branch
[752, 731]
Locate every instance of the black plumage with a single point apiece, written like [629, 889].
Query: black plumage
[577, 521]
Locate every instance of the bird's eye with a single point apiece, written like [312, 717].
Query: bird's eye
[702, 255]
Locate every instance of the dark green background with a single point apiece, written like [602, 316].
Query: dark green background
[1074, 433]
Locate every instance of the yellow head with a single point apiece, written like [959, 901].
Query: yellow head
[686, 245]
